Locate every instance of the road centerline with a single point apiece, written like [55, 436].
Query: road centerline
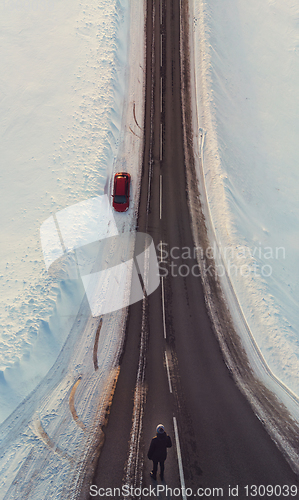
[168, 373]
[163, 306]
[178, 448]
[161, 141]
[160, 196]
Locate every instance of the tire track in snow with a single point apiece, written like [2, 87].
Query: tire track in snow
[72, 406]
[40, 432]
[134, 114]
[95, 347]
[134, 133]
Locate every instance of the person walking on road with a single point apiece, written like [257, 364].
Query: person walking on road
[158, 451]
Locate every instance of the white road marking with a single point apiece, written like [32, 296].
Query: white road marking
[161, 94]
[161, 143]
[161, 11]
[161, 50]
[163, 307]
[160, 196]
[178, 449]
[168, 373]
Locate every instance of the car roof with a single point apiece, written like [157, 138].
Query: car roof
[121, 184]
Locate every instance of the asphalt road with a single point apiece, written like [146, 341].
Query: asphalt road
[172, 363]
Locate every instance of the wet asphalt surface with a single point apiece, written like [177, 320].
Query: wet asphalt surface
[223, 444]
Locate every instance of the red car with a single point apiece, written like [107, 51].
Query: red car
[121, 191]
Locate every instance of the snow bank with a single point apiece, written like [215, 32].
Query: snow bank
[247, 98]
[83, 101]
[62, 93]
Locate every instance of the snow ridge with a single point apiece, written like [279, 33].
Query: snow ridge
[47, 443]
[254, 300]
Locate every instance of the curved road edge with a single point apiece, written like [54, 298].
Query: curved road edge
[275, 416]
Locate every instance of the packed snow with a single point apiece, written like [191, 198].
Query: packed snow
[62, 89]
[71, 105]
[72, 73]
[247, 70]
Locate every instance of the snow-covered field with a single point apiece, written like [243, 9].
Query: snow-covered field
[247, 71]
[62, 89]
[68, 92]
[68, 88]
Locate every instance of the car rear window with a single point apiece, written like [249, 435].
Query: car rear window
[120, 198]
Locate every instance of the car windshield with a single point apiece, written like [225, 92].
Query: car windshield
[119, 198]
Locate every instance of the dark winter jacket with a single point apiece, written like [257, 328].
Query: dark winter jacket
[158, 447]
